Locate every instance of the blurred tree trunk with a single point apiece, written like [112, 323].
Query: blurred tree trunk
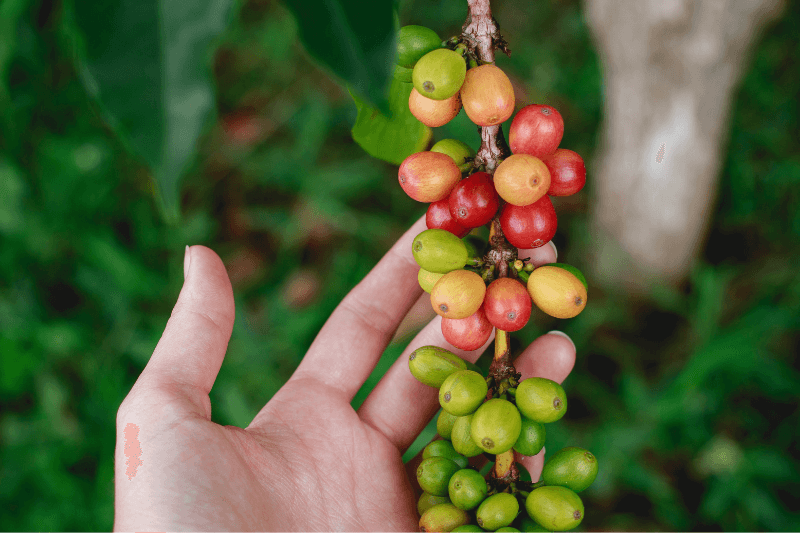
[670, 71]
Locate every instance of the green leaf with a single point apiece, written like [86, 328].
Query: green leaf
[10, 13]
[390, 138]
[148, 64]
[355, 40]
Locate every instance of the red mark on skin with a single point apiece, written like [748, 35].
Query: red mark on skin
[133, 451]
[660, 154]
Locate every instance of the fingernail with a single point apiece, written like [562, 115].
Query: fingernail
[554, 249]
[556, 332]
[187, 261]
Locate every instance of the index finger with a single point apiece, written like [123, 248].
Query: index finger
[352, 340]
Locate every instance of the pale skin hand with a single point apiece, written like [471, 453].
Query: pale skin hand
[308, 461]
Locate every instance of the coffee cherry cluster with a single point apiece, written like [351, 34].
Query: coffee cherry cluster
[476, 424]
[463, 197]
[478, 286]
[524, 181]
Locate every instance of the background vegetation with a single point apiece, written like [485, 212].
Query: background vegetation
[688, 395]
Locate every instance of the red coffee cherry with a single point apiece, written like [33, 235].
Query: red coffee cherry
[439, 217]
[507, 304]
[468, 333]
[536, 130]
[567, 172]
[428, 176]
[529, 226]
[473, 201]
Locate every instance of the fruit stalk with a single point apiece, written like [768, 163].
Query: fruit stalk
[482, 36]
[480, 33]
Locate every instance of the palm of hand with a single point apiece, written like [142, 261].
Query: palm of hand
[308, 461]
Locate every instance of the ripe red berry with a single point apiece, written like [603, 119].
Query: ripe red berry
[473, 201]
[468, 333]
[439, 217]
[529, 226]
[507, 304]
[428, 176]
[536, 130]
[567, 172]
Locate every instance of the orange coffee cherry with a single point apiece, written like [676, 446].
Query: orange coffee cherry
[487, 95]
[433, 113]
[521, 179]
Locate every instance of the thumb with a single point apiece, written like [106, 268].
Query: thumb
[193, 345]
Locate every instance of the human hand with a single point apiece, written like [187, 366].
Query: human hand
[308, 461]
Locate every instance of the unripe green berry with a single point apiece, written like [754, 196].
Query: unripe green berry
[428, 500]
[445, 423]
[571, 467]
[439, 74]
[413, 42]
[432, 365]
[443, 517]
[438, 250]
[458, 150]
[444, 448]
[461, 437]
[555, 508]
[541, 400]
[496, 426]
[433, 474]
[462, 392]
[531, 437]
[498, 510]
[467, 489]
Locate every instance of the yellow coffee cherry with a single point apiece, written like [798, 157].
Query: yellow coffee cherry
[458, 294]
[556, 291]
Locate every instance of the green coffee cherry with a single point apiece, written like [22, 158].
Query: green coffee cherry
[459, 151]
[462, 392]
[467, 488]
[444, 424]
[413, 42]
[439, 74]
[541, 399]
[496, 426]
[468, 528]
[432, 365]
[572, 270]
[428, 500]
[428, 279]
[438, 250]
[498, 510]
[474, 245]
[571, 467]
[531, 437]
[444, 448]
[443, 517]
[434, 473]
[507, 529]
[461, 437]
[555, 508]
[529, 525]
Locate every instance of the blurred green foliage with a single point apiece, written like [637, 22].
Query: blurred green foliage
[687, 397]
